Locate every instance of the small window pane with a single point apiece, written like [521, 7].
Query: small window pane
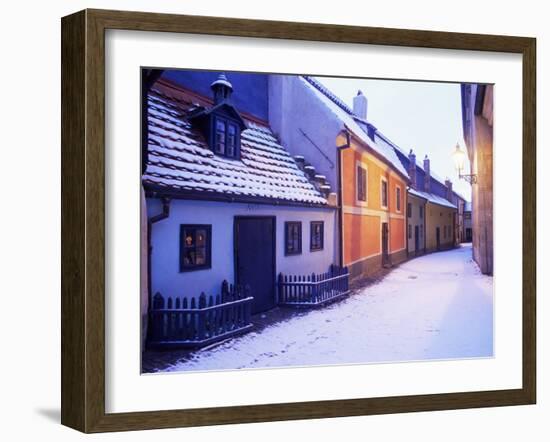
[293, 238]
[231, 140]
[317, 233]
[220, 137]
[398, 196]
[384, 194]
[195, 247]
[361, 184]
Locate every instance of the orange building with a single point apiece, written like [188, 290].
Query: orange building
[371, 182]
[373, 209]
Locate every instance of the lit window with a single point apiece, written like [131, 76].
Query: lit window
[195, 247]
[316, 235]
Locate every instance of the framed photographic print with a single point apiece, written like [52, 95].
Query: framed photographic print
[268, 221]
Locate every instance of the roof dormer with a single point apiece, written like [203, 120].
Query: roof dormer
[222, 124]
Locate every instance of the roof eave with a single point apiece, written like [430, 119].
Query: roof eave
[376, 154]
[195, 195]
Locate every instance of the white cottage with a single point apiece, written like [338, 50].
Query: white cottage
[226, 201]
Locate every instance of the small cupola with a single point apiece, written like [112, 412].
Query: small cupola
[222, 124]
[222, 89]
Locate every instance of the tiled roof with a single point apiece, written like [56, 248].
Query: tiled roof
[357, 126]
[432, 198]
[179, 159]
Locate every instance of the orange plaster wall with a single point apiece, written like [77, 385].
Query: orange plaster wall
[362, 232]
[374, 173]
[397, 234]
[394, 182]
[361, 237]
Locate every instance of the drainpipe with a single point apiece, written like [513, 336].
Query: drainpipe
[340, 201]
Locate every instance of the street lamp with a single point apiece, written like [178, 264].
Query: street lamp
[459, 158]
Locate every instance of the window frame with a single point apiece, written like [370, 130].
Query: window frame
[208, 247]
[322, 246]
[398, 193]
[382, 194]
[409, 210]
[288, 224]
[364, 168]
[227, 122]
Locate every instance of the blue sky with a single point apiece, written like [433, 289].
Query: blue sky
[422, 116]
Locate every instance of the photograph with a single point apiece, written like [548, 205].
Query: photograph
[307, 220]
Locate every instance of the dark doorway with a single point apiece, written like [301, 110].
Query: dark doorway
[437, 238]
[255, 259]
[416, 240]
[468, 234]
[385, 246]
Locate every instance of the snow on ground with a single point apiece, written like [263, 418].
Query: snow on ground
[437, 306]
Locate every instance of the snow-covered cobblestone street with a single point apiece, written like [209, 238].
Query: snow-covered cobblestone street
[433, 307]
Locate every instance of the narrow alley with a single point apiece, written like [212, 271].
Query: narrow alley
[436, 306]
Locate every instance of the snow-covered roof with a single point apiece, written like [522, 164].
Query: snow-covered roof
[432, 198]
[357, 126]
[180, 160]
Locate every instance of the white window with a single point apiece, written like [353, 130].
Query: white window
[384, 193]
[361, 184]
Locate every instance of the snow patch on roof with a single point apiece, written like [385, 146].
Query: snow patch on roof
[432, 198]
[180, 160]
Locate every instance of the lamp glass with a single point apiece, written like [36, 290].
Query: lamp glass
[459, 157]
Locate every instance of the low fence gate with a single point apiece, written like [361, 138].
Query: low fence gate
[315, 289]
[199, 321]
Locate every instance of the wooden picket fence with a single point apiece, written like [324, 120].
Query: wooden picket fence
[199, 321]
[315, 289]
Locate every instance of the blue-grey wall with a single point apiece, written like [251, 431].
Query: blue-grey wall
[249, 90]
[168, 280]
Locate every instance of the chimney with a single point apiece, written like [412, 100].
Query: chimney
[412, 169]
[222, 89]
[427, 174]
[360, 105]
[449, 185]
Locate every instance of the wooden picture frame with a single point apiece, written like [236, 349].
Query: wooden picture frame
[83, 220]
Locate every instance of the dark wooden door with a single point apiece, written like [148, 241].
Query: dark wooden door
[416, 240]
[255, 259]
[385, 246]
[437, 238]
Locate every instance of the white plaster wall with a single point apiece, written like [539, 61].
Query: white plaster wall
[165, 236]
[294, 107]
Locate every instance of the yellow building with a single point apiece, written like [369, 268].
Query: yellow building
[440, 226]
